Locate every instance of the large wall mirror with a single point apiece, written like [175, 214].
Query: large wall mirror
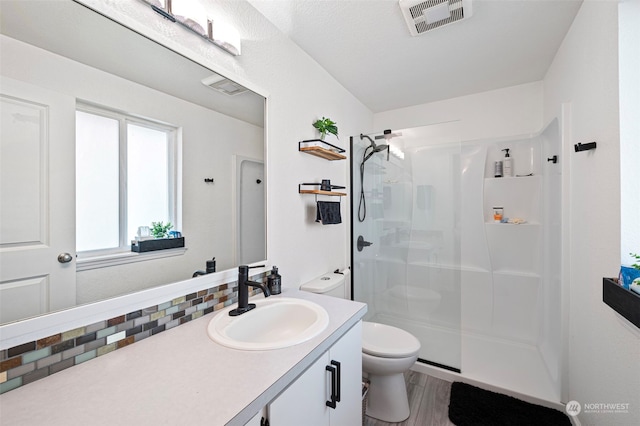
[93, 112]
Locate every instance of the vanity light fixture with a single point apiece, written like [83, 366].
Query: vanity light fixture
[191, 15]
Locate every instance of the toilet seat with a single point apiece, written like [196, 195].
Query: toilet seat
[388, 342]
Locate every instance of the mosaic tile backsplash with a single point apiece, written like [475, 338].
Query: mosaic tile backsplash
[35, 360]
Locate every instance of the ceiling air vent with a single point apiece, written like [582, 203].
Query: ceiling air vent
[224, 85]
[426, 15]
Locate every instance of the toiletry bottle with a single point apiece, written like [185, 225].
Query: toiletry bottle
[506, 164]
[497, 169]
[497, 214]
[211, 265]
[274, 281]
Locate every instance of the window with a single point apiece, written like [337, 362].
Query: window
[125, 178]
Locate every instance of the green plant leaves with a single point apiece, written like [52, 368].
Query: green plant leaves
[159, 230]
[326, 125]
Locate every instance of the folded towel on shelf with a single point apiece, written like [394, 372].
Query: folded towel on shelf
[517, 221]
[328, 212]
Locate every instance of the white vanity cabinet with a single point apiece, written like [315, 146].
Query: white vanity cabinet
[306, 401]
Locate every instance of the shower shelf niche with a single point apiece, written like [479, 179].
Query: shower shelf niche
[321, 149]
[512, 224]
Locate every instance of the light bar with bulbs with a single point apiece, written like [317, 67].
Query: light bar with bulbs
[192, 16]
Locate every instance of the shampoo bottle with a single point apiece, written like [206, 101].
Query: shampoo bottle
[507, 168]
[274, 281]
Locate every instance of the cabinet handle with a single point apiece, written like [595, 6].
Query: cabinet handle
[334, 386]
[338, 374]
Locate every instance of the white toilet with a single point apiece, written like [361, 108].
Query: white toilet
[387, 352]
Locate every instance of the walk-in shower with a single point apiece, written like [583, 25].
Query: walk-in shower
[482, 297]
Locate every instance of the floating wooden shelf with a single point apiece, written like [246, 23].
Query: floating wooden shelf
[320, 192]
[331, 152]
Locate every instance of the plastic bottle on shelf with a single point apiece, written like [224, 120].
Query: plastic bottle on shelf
[497, 214]
[497, 169]
[507, 168]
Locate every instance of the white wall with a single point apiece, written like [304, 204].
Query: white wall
[603, 350]
[511, 111]
[299, 91]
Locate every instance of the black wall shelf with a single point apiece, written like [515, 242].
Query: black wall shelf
[156, 244]
[623, 301]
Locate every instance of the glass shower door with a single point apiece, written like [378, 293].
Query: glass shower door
[406, 235]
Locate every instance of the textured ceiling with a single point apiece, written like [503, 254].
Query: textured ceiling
[366, 46]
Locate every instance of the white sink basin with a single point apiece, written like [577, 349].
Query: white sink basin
[274, 323]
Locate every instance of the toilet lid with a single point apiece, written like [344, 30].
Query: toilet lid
[388, 342]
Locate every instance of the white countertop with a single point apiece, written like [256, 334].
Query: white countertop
[176, 377]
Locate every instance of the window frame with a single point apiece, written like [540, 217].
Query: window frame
[111, 255]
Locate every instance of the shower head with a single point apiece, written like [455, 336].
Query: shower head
[381, 147]
[374, 148]
[373, 145]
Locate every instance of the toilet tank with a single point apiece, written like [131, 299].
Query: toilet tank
[332, 284]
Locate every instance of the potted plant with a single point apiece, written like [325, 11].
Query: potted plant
[159, 230]
[160, 241]
[326, 125]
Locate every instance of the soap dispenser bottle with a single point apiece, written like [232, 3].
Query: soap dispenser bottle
[211, 266]
[507, 168]
[274, 281]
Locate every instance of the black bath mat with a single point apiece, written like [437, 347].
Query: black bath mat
[472, 406]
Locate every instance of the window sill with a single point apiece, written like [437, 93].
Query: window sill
[104, 261]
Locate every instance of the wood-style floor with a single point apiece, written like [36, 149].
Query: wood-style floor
[428, 401]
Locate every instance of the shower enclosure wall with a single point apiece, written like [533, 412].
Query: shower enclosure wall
[482, 297]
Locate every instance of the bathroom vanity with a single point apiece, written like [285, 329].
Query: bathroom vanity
[181, 376]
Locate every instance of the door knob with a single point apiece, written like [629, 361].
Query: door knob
[65, 258]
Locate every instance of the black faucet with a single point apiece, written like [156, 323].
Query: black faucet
[243, 290]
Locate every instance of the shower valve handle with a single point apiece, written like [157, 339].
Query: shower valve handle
[362, 243]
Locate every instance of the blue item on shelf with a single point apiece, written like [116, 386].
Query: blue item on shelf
[627, 275]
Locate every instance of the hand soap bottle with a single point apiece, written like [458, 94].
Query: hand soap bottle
[274, 281]
[507, 168]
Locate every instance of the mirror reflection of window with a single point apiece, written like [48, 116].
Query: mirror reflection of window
[116, 193]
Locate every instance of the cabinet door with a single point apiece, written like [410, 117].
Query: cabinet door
[348, 352]
[257, 419]
[303, 402]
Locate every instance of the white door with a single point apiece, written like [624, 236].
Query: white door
[37, 200]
